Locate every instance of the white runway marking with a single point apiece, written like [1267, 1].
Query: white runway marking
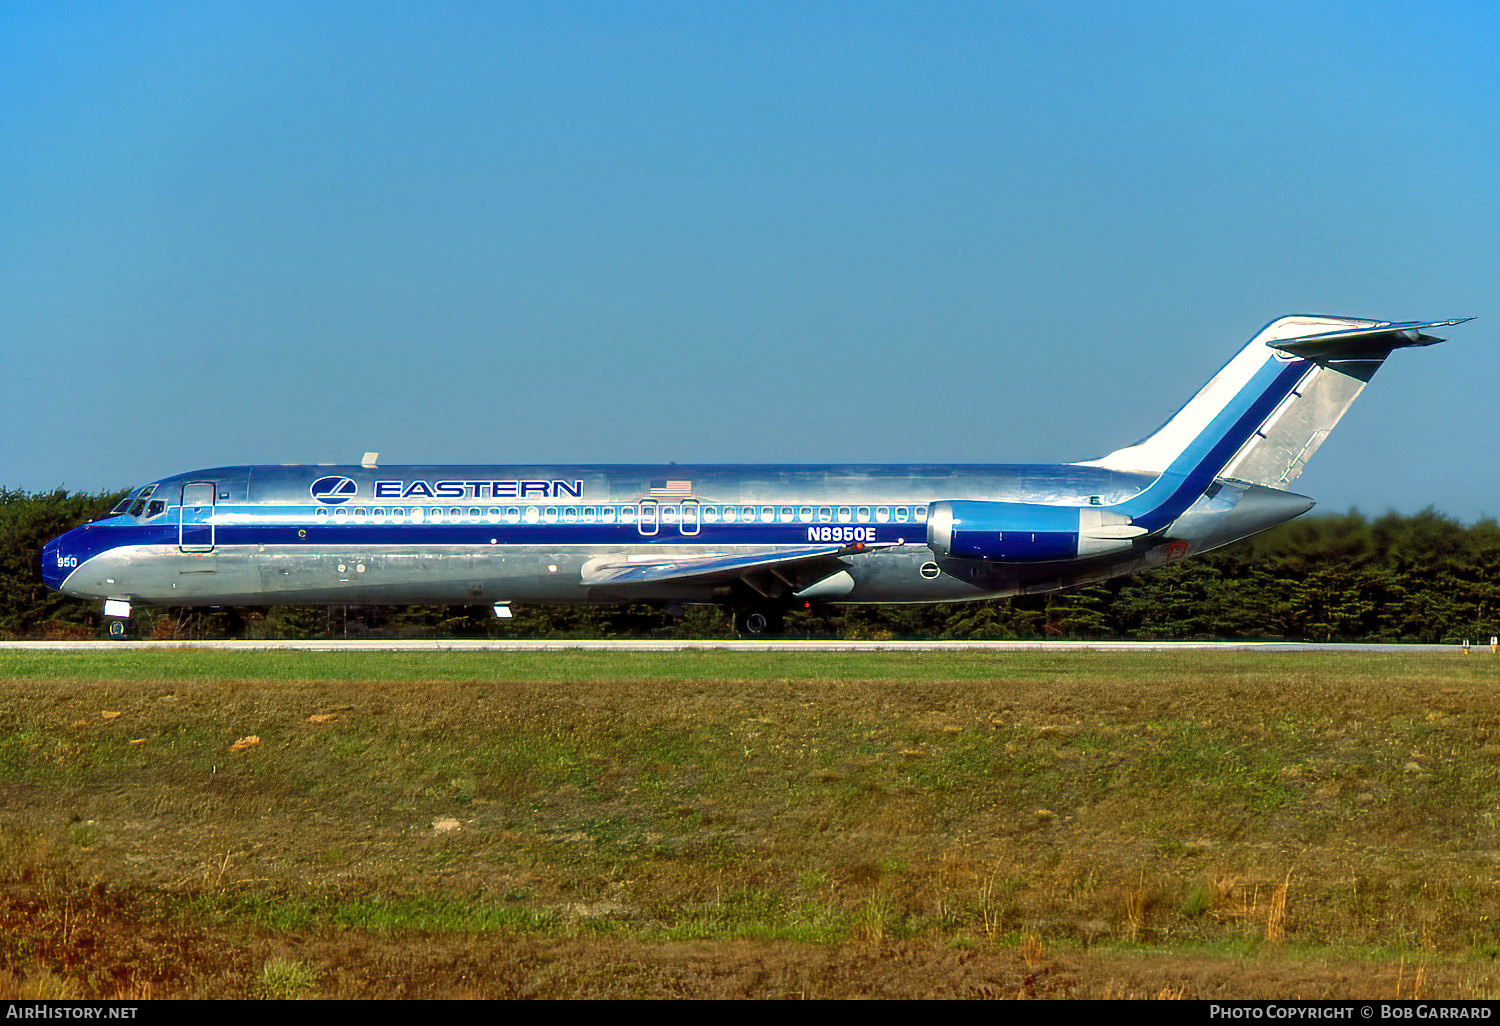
[586, 645]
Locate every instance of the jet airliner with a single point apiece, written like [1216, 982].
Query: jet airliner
[756, 538]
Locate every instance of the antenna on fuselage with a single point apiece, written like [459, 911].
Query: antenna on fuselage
[370, 462]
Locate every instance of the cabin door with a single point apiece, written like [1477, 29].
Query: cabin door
[195, 517]
[690, 519]
[649, 522]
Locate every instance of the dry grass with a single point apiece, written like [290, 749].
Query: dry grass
[1276, 912]
[1096, 825]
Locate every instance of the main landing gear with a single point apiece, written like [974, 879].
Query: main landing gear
[759, 621]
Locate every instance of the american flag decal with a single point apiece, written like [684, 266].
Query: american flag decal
[671, 489]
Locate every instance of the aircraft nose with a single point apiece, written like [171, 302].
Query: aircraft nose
[57, 562]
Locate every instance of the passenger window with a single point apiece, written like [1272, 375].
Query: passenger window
[532, 515]
[493, 516]
[397, 513]
[845, 514]
[456, 515]
[825, 513]
[786, 514]
[341, 514]
[435, 515]
[669, 514]
[570, 514]
[417, 513]
[805, 514]
[919, 513]
[473, 514]
[710, 514]
[767, 514]
[901, 514]
[627, 514]
[883, 514]
[606, 514]
[862, 514]
[731, 514]
[321, 512]
[512, 514]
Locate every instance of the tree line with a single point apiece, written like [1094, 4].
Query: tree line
[1424, 577]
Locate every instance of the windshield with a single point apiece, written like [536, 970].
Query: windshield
[138, 506]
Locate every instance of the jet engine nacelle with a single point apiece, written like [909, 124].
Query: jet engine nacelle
[1026, 532]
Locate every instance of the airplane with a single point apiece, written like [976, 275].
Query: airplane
[759, 539]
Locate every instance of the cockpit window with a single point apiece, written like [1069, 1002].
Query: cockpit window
[135, 503]
[155, 507]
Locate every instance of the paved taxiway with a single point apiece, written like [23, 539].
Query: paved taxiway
[613, 645]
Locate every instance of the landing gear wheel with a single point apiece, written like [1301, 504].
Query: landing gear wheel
[758, 623]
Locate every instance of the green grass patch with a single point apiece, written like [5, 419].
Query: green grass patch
[1168, 801]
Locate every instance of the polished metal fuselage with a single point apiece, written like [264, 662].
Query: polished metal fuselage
[529, 533]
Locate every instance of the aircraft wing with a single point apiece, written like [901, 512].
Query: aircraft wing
[637, 569]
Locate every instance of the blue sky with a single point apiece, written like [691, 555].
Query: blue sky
[808, 232]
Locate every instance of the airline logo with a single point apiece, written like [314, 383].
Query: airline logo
[333, 491]
[478, 489]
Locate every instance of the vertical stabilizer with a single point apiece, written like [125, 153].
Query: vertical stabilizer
[1261, 417]
[1155, 453]
[1336, 357]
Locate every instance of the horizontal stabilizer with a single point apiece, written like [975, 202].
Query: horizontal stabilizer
[1373, 342]
[621, 569]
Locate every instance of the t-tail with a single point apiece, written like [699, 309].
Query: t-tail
[1262, 417]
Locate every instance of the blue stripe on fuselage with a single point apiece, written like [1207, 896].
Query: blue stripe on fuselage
[1180, 485]
[87, 542]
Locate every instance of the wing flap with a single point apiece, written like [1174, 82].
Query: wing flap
[618, 569]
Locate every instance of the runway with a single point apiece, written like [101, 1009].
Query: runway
[674, 645]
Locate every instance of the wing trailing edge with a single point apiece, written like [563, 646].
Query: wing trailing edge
[650, 569]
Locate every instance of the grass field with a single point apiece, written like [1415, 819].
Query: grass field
[719, 823]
